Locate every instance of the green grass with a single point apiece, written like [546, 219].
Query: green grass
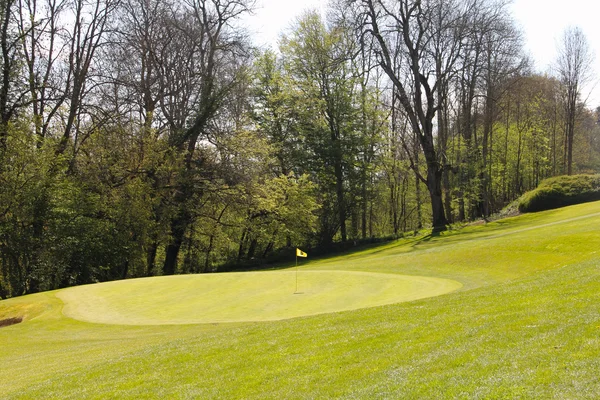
[525, 324]
[243, 296]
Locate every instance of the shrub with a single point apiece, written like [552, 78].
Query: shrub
[561, 191]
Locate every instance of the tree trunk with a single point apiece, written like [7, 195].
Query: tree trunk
[364, 205]
[418, 190]
[241, 246]
[179, 225]
[485, 151]
[571, 132]
[403, 209]
[7, 70]
[270, 245]
[208, 252]
[151, 258]
[371, 215]
[339, 186]
[447, 194]
[393, 204]
[252, 249]
[172, 252]
[434, 181]
[434, 184]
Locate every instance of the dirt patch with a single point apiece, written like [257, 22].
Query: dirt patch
[10, 321]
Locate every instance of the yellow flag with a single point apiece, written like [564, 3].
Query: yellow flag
[300, 253]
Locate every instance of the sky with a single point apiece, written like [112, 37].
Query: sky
[542, 22]
[544, 29]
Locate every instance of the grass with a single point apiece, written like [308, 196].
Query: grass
[525, 324]
[241, 297]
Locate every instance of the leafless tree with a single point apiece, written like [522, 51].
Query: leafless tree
[59, 44]
[406, 33]
[43, 49]
[12, 86]
[138, 37]
[491, 54]
[84, 38]
[172, 67]
[197, 81]
[573, 66]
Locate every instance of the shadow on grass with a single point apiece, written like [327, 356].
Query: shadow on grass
[10, 321]
[464, 233]
[357, 251]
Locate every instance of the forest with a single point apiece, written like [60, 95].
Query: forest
[152, 137]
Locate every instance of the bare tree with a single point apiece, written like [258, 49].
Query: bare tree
[84, 37]
[12, 86]
[137, 37]
[198, 80]
[573, 67]
[59, 43]
[406, 33]
[42, 48]
[491, 54]
[172, 67]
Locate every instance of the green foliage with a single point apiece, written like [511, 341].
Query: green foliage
[163, 166]
[279, 212]
[26, 185]
[561, 191]
[525, 143]
[66, 224]
[338, 121]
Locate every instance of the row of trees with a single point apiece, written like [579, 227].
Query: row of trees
[147, 137]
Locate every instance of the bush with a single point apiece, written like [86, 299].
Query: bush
[561, 191]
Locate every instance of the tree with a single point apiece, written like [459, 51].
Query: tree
[275, 113]
[573, 67]
[205, 67]
[317, 58]
[490, 55]
[44, 49]
[12, 85]
[405, 54]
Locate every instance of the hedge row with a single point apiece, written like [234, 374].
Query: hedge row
[561, 191]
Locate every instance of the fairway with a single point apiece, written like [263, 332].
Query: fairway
[369, 324]
[243, 296]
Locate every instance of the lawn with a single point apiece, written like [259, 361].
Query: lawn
[243, 296]
[523, 322]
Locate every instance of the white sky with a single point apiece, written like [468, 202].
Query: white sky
[542, 22]
[272, 17]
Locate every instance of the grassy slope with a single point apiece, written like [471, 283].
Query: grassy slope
[526, 324]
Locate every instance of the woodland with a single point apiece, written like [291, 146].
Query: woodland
[152, 137]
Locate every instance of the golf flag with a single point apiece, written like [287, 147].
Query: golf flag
[300, 253]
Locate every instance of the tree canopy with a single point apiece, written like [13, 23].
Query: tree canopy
[146, 137]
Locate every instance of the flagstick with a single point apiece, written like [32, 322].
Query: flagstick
[296, 274]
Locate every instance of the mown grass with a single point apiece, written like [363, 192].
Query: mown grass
[526, 324]
[242, 297]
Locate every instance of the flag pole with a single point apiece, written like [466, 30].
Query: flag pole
[296, 273]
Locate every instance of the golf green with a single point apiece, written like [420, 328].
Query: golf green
[247, 296]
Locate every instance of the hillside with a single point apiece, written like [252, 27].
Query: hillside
[524, 322]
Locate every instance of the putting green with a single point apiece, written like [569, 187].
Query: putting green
[247, 296]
